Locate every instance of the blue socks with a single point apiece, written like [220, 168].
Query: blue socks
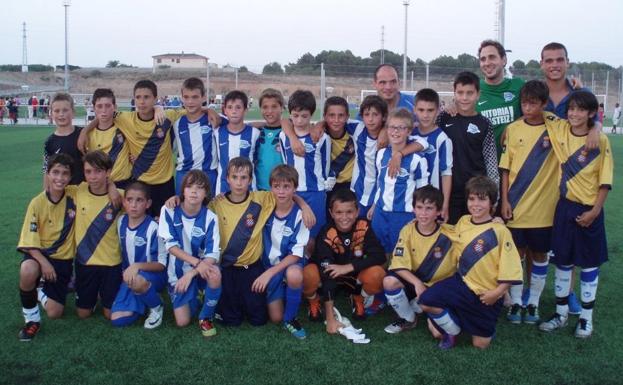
[209, 303]
[293, 300]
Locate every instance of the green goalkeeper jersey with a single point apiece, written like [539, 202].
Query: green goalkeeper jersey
[500, 104]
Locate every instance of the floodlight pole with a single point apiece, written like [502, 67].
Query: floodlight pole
[66, 4]
[404, 55]
[208, 79]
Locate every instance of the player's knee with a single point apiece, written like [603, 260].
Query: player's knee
[29, 271]
[391, 283]
[54, 311]
[311, 279]
[294, 276]
[372, 279]
[83, 313]
[182, 322]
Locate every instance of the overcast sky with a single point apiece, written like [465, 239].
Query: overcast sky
[253, 33]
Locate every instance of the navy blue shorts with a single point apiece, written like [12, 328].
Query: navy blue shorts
[535, 239]
[127, 300]
[387, 225]
[159, 194]
[64, 269]
[472, 316]
[409, 288]
[97, 281]
[576, 245]
[317, 201]
[237, 301]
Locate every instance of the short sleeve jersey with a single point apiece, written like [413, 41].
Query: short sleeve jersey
[198, 235]
[195, 144]
[532, 174]
[268, 155]
[487, 255]
[396, 194]
[583, 172]
[150, 144]
[66, 144]
[313, 168]
[428, 257]
[140, 244]
[363, 183]
[97, 240]
[500, 104]
[113, 142]
[438, 155]
[343, 154]
[231, 145]
[49, 226]
[241, 227]
[284, 236]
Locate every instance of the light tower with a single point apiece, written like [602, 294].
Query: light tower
[382, 44]
[24, 51]
[499, 20]
[66, 4]
[404, 56]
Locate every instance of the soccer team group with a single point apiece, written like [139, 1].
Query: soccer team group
[434, 212]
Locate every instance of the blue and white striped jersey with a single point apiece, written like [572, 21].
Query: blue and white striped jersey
[140, 244]
[313, 169]
[396, 194]
[438, 155]
[363, 183]
[197, 235]
[284, 236]
[229, 146]
[195, 144]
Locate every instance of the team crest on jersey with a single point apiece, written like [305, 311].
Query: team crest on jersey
[139, 241]
[244, 144]
[403, 173]
[437, 252]
[546, 142]
[249, 221]
[159, 133]
[33, 227]
[399, 252]
[205, 130]
[479, 247]
[197, 232]
[269, 134]
[108, 215]
[309, 147]
[71, 213]
[347, 242]
[287, 231]
[473, 129]
[508, 96]
[350, 148]
[582, 156]
[358, 252]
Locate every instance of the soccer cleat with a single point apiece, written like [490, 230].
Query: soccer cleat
[376, 306]
[514, 314]
[154, 319]
[359, 311]
[295, 328]
[29, 331]
[400, 325]
[207, 328]
[556, 322]
[531, 316]
[314, 312]
[584, 328]
[574, 305]
[447, 342]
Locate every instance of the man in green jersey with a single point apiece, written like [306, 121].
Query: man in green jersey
[499, 96]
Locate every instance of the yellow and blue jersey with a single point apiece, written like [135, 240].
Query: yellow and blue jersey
[49, 226]
[113, 142]
[343, 154]
[486, 254]
[150, 144]
[97, 240]
[532, 173]
[428, 257]
[583, 172]
[241, 226]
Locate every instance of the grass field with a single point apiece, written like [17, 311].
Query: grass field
[70, 351]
